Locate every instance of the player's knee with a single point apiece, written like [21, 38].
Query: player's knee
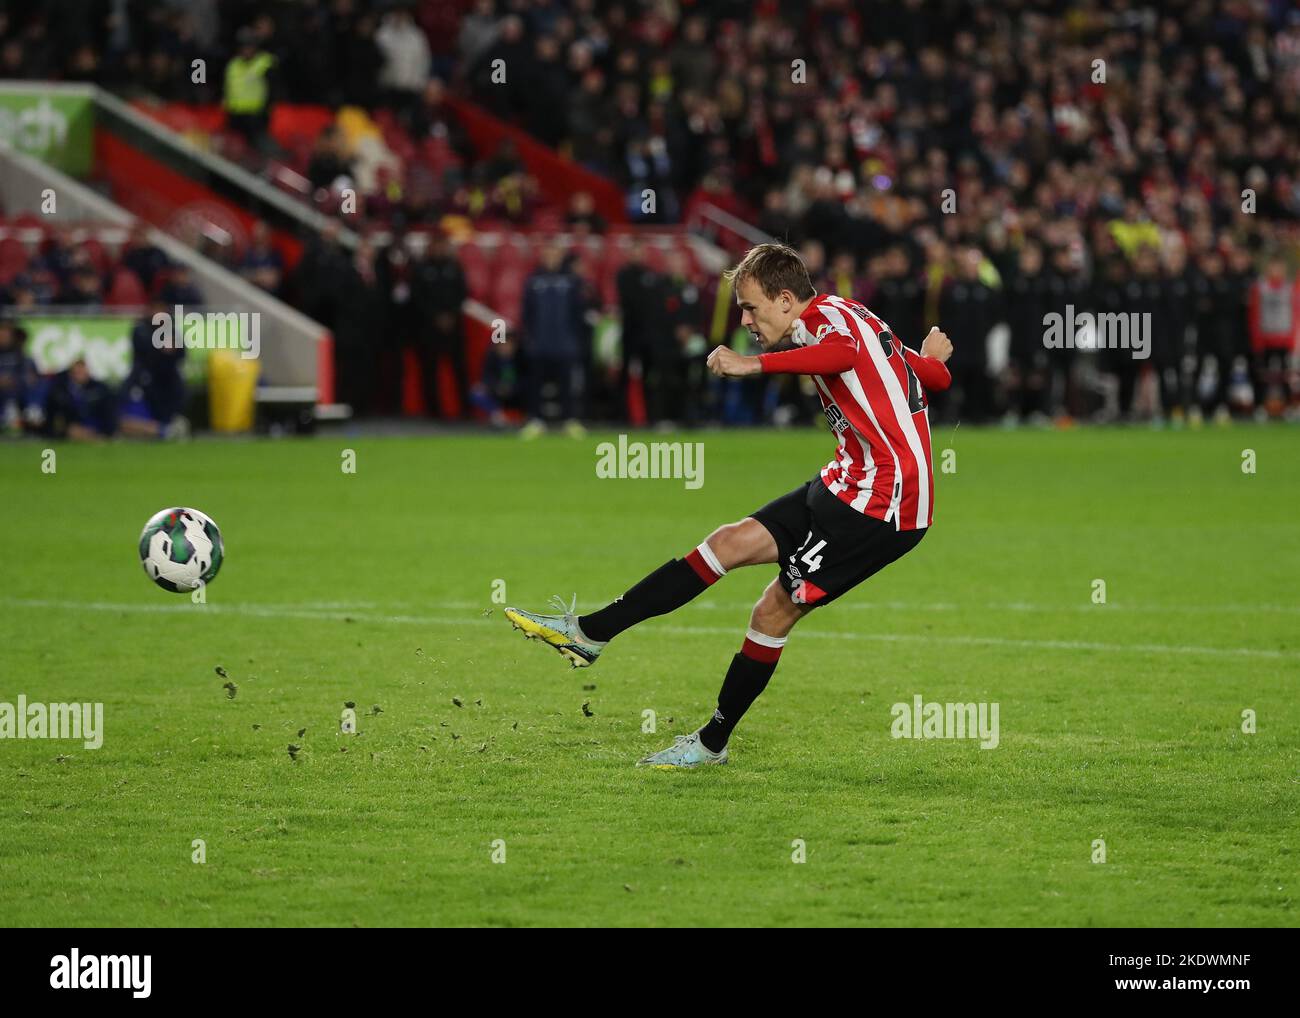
[775, 614]
[729, 544]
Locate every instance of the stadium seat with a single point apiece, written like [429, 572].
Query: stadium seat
[97, 254]
[13, 258]
[508, 293]
[125, 290]
[478, 271]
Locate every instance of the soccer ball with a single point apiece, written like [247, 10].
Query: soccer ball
[181, 550]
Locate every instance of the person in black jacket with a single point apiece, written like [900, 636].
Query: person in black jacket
[1067, 284]
[438, 289]
[900, 295]
[969, 300]
[1169, 330]
[20, 385]
[79, 407]
[643, 315]
[1026, 304]
[153, 394]
[1218, 338]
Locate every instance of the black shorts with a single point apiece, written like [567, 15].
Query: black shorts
[825, 547]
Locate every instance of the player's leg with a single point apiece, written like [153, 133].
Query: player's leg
[675, 583]
[841, 548]
[750, 670]
[681, 580]
[767, 536]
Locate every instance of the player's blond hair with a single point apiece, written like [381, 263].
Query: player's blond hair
[774, 267]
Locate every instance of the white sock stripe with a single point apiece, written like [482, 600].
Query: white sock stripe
[775, 642]
[710, 559]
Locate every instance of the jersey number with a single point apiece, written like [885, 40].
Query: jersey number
[915, 397]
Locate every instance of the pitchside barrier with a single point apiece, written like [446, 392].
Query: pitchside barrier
[294, 351]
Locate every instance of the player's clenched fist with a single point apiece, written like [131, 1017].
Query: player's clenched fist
[936, 345]
[726, 363]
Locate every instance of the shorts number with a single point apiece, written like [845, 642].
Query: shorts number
[811, 559]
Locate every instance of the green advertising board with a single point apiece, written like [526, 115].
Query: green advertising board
[104, 341]
[54, 126]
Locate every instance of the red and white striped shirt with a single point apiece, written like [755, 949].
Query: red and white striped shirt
[872, 390]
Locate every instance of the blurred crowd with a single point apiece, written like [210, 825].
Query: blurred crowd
[973, 164]
[1220, 338]
[74, 404]
[74, 271]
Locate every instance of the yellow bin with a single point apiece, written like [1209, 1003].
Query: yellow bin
[232, 390]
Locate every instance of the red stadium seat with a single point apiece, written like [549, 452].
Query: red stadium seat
[508, 293]
[126, 290]
[99, 257]
[478, 271]
[13, 258]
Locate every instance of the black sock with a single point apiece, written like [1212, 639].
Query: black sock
[746, 678]
[669, 587]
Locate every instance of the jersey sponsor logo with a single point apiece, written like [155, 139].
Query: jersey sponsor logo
[835, 418]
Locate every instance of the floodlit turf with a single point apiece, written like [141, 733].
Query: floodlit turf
[1119, 721]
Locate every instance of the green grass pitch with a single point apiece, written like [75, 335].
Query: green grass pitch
[1120, 721]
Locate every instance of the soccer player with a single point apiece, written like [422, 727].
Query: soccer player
[869, 506]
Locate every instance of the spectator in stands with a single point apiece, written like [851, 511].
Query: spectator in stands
[968, 299]
[843, 279]
[79, 407]
[546, 90]
[554, 341]
[262, 265]
[56, 259]
[407, 60]
[1170, 329]
[438, 291]
[393, 277]
[478, 32]
[84, 287]
[433, 120]
[153, 393]
[1274, 303]
[329, 159]
[499, 392]
[678, 377]
[247, 93]
[642, 313]
[20, 385]
[1027, 375]
[357, 59]
[359, 324]
[582, 218]
[142, 256]
[180, 288]
[1218, 343]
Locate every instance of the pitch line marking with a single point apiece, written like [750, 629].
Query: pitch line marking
[289, 612]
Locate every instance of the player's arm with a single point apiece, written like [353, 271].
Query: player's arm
[928, 365]
[826, 358]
